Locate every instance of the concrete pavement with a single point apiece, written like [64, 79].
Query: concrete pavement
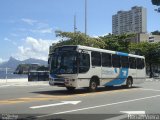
[104, 104]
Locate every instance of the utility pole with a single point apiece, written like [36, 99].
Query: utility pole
[75, 28]
[85, 17]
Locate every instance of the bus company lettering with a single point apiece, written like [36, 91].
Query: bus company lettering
[108, 72]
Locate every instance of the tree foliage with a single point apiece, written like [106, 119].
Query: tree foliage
[110, 42]
[151, 51]
[118, 42]
[156, 2]
[78, 38]
[156, 32]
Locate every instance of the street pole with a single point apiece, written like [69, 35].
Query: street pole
[75, 28]
[6, 74]
[85, 17]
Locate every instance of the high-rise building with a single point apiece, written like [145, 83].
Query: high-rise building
[132, 21]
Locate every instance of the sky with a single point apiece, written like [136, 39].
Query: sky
[27, 27]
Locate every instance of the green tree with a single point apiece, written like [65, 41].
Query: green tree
[156, 2]
[156, 32]
[118, 42]
[78, 38]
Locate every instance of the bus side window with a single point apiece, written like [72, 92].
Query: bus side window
[106, 60]
[116, 61]
[132, 62]
[143, 64]
[140, 63]
[124, 62]
[96, 58]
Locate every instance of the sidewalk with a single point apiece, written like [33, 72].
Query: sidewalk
[22, 82]
[152, 79]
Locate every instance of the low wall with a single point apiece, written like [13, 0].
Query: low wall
[19, 80]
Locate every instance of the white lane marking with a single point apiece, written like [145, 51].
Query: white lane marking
[98, 106]
[133, 112]
[149, 89]
[56, 104]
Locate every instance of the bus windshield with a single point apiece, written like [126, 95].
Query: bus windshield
[63, 62]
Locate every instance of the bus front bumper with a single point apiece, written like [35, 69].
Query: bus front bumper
[63, 83]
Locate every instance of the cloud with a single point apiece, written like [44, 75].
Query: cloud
[39, 27]
[2, 60]
[43, 31]
[14, 34]
[29, 21]
[9, 40]
[97, 36]
[34, 48]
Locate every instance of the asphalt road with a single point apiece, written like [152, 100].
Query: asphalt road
[46, 102]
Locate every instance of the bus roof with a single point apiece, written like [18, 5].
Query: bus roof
[108, 51]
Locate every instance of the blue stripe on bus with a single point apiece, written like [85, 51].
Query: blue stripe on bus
[123, 74]
[122, 54]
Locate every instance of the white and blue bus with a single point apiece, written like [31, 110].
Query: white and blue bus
[82, 66]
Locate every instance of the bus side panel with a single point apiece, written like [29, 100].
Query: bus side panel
[133, 73]
[119, 77]
[108, 74]
[141, 76]
[84, 78]
[83, 82]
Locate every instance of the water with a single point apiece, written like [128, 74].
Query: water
[10, 75]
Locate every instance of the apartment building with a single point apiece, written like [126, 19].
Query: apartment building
[132, 21]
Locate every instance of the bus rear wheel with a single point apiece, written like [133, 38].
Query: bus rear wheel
[129, 83]
[93, 85]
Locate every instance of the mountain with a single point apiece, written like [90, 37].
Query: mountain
[35, 61]
[13, 63]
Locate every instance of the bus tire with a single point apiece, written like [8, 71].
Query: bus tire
[93, 85]
[70, 89]
[129, 83]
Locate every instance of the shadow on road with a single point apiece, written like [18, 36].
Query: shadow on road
[80, 91]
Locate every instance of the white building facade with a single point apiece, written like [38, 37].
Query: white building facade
[132, 21]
